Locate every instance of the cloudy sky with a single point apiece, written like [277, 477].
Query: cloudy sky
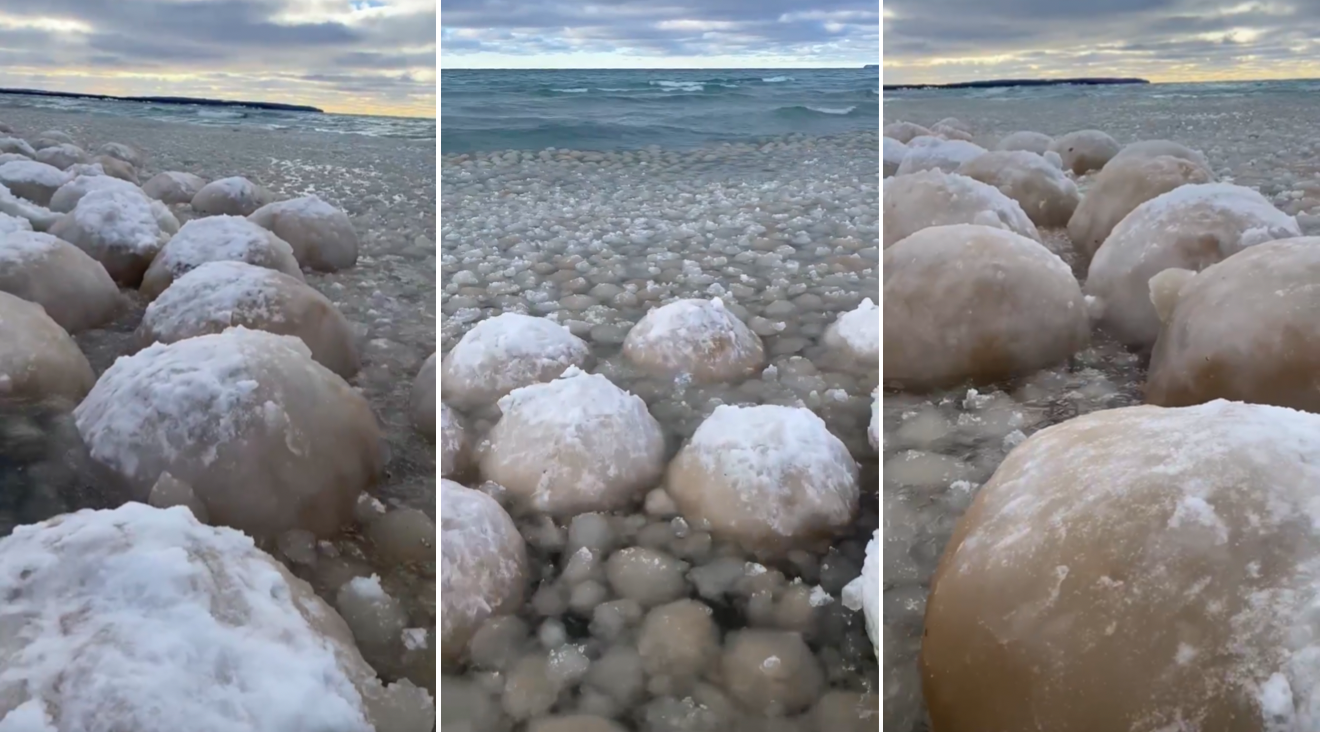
[930, 41]
[658, 33]
[354, 56]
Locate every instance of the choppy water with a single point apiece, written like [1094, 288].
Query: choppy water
[486, 110]
[1118, 93]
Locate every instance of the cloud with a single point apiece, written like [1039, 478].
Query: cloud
[377, 56]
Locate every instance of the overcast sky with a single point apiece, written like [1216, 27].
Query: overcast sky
[658, 33]
[366, 56]
[1161, 40]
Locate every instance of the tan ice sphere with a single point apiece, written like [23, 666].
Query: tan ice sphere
[770, 478]
[38, 360]
[1137, 568]
[173, 187]
[61, 156]
[697, 338]
[1085, 150]
[74, 289]
[483, 566]
[974, 303]
[234, 196]
[321, 235]
[268, 439]
[1045, 194]
[506, 352]
[935, 198]
[1123, 185]
[574, 445]
[118, 228]
[904, 131]
[1036, 142]
[217, 239]
[422, 400]
[1190, 227]
[1157, 148]
[220, 295]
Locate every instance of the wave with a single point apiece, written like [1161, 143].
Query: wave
[832, 110]
[575, 90]
[689, 86]
[803, 111]
[778, 79]
[213, 114]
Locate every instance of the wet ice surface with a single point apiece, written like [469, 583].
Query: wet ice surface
[938, 449]
[786, 235]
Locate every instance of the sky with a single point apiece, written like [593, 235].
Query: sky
[932, 41]
[349, 56]
[658, 33]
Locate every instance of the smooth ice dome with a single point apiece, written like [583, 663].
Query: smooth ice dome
[506, 352]
[915, 202]
[38, 359]
[236, 196]
[1124, 184]
[1045, 194]
[894, 152]
[700, 338]
[61, 156]
[268, 439]
[143, 619]
[1190, 227]
[1135, 568]
[422, 401]
[975, 303]
[945, 156]
[1036, 142]
[574, 445]
[1240, 330]
[771, 673]
[856, 335]
[172, 187]
[117, 228]
[32, 180]
[321, 235]
[219, 295]
[1085, 150]
[454, 446]
[218, 239]
[122, 152]
[483, 566]
[905, 131]
[74, 289]
[1156, 148]
[770, 478]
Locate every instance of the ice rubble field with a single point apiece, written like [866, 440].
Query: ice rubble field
[659, 372]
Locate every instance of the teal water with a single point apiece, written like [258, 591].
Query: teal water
[622, 109]
[1117, 92]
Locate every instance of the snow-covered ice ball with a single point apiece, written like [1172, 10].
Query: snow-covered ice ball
[17, 146]
[945, 156]
[698, 338]
[120, 151]
[1190, 227]
[770, 478]
[1240, 330]
[864, 592]
[893, 154]
[422, 401]
[116, 168]
[1009, 307]
[483, 566]
[31, 180]
[234, 196]
[144, 619]
[951, 128]
[81, 169]
[1157, 148]
[268, 439]
[117, 228]
[873, 429]
[10, 224]
[66, 198]
[856, 336]
[74, 289]
[771, 673]
[38, 359]
[50, 138]
[934, 198]
[1164, 562]
[1045, 194]
[506, 352]
[173, 187]
[574, 445]
[218, 239]
[1036, 142]
[1085, 150]
[1119, 188]
[220, 295]
[905, 131]
[61, 156]
[39, 217]
[321, 235]
[376, 619]
[454, 446]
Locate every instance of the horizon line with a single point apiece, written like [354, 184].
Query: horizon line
[667, 68]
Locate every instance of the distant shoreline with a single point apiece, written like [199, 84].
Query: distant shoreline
[186, 101]
[1015, 82]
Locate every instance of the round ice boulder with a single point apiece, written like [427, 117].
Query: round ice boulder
[17, 146]
[218, 239]
[1119, 188]
[771, 673]
[1036, 142]
[116, 168]
[574, 445]
[268, 439]
[696, 338]
[61, 156]
[117, 228]
[235, 196]
[1085, 150]
[39, 362]
[1243, 330]
[422, 402]
[66, 198]
[1190, 227]
[219, 295]
[769, 478]
[505, 352]
[455, 453]
[31, 180]
[80, 169]
[856, 336]
[1045, 194]
[74, 289]
[864, 592]
[915, 202]
[894, 152]
[54, 137]
[1157, 148]
[173, 187]
[945, 156]
[972, 303]
[39, 218]
[904, 131]
[1134, 568]
[321, 235]
[10, 224]
[120, 151]
[483, 566]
